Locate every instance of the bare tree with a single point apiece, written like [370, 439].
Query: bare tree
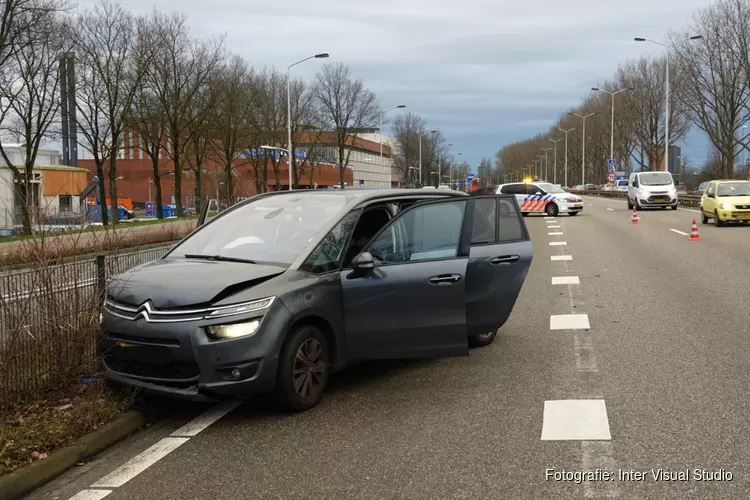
[348, 107]
[716, 92]
[28, 101]
[182, 67]
[19, 26]
[270, 125]
[306, 127]
[232, 118]
[407, 129]
[115, 53]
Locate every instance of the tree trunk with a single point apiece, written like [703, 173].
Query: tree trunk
[198, 190]
[113, 188]
[177, 175]
[26, 204]
[102, 193]
[342, 167]
[157, 185]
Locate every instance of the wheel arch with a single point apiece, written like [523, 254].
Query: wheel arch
[325, 328]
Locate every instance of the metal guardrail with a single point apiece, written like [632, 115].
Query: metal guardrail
[685, 200]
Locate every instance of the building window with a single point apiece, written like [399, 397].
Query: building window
[66, 203]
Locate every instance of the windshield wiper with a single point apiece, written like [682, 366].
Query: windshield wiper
[218, 258]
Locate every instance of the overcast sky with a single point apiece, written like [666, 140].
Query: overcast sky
[485, 72]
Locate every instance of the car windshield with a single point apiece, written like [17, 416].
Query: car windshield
[622, 183]
[272, 229]
[656, 179]
[551, 188]
[734, 189]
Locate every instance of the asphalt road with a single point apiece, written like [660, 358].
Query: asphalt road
[657, 379]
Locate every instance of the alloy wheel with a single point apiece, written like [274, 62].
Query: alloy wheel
[309, 368]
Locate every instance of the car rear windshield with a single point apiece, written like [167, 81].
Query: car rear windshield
[272, 229]
[734, 189]
[656, 179]
[622, 183]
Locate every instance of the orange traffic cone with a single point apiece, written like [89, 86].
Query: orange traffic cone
[694, 232]
[634, 220]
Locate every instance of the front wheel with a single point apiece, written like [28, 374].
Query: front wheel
[573, 213]
[482, 340]
[717, 221]
[551, 209]
[674, 207]
[704, 219]
[630, 205]
[303, 370]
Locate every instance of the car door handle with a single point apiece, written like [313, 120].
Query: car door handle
[445, 279]
[505, 260]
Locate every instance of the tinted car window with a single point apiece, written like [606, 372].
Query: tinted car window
[485, 216]
[427, 232]
[513, 189]
[510, 224]
[327, 254]
[271, 229]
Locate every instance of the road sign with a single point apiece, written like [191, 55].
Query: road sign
[611, 177]
[611, 165]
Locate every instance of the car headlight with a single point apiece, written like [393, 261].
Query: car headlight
[234, 330]
[243, 308]
[726, 206]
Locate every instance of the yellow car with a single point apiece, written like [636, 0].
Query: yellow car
[726, 201]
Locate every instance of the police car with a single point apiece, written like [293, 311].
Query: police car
[542, 198]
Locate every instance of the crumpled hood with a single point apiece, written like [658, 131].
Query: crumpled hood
[172, 283]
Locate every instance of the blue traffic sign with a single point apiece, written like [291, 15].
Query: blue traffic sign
[611, 165]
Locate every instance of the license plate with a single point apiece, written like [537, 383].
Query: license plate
[744, 216]
[578, 205]
[659, 200]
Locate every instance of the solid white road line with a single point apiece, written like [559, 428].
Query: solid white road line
[561, 257]
[555, 234]
[558, 243]
[202, 421]
[90, 495]
[553, 227]
[569, 322]
[679, 232]
[611, 209]
[690, 210]
[135, 466]
[566, 280]
[575, 420]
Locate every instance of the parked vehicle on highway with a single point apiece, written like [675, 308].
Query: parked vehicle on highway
[651, 190]
[620, 185]
[726, 201]
[542, 197]
[276, 293]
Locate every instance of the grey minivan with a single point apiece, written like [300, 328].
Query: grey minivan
[277, 292]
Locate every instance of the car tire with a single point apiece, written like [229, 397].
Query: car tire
[674, 207]
[524, 214]
[704, 219]
[717, 221]
[306, 349]
[573, 213]
[551, 209]
[482, 340]
[630, 205]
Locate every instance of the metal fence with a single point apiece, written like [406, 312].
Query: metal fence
[685, 200]
[49, 319]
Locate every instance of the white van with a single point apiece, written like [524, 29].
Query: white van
[651, 190]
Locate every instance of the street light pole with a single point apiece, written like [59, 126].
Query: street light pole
[666, 85]
[583, 140]
[612, 118]
[555, 141]
[290, 159]
[381, 128]
[546, 163]
[420, 152]
[566, 152]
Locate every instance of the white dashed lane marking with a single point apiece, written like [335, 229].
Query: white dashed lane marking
[553, 227]
[560, 257]
[569, 322]
[200, 423]
[611, 209]
[558, 243]
[679, 232]
[575, 420]
[555, 234]
[135, 466]
[91, 494]
[566, 280]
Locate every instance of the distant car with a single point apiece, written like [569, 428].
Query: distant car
[726, 201]
[651, 190]
[542, 197]
[276, 293]
[621, 186]
[428, 187]
[700, 189]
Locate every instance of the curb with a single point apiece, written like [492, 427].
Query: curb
[23, 481]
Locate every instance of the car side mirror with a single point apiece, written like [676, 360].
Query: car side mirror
[363, 262]
[538, 193]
